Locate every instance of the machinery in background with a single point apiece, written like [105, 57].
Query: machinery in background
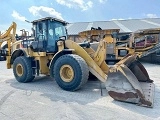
[6, 39]
[11, 40]
[69, 63]
[95, 35]
[141, 42]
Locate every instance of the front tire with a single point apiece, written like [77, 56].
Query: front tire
[22, 69]
[70, 72]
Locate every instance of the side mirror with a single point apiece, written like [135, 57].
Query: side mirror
[33, 31]
[66, 31]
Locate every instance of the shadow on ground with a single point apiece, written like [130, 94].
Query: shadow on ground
[91, 92]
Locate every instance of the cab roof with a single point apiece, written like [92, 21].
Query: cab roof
[50, 18]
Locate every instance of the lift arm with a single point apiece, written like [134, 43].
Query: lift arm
[9, 36]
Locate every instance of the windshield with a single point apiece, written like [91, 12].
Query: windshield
[56, 30]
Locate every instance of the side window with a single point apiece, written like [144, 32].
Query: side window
[58, 31]
[41, 31]
[51, 32]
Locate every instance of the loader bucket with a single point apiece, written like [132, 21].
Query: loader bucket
[128, 81]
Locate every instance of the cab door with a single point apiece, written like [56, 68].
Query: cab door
[55, 31]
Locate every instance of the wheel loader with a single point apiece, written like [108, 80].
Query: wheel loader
[10, 38]
[7, 37]
[69, 63]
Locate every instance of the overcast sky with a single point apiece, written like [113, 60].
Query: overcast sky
[75, 10]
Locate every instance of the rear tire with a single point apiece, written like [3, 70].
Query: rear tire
[70, 72]
[22, 69]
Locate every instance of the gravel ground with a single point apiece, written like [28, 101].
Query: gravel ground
[42, 99]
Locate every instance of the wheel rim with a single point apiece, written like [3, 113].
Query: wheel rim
[19, 69]
[66, 73]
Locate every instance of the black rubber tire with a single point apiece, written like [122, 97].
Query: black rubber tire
[80, 68]
[27, 75]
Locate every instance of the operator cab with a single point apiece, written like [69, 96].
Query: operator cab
[47, 32]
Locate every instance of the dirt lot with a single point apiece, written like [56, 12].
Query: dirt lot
[42, 99]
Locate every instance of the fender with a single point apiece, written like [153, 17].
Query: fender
[59, 54]
[17, 53]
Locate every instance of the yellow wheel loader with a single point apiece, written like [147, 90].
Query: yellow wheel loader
[9, 38]
[69, 63]
[10, 41]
